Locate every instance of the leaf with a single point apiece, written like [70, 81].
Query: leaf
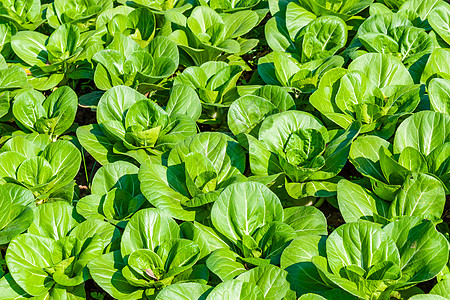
[356, 203]
[423, 250]
[225, 264]
[30, 47]
[53, 220]
[148, 229]
[235, 289]
[439, 19]
[246, 114]
[106, 270]
[323, 37]
[243, 207]
[184, 291]
[381, 69]
[270, 279]
[306, 220]
[421, 195]
[439, 93]
[423, 131]
[115, 102]
[364, 155]
[296, 260]
[158, 186]
[437, 65]
[98, 145]
[26, 257]
[362, 244]
[184, 100]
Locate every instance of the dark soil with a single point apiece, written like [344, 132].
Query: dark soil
[333, 215]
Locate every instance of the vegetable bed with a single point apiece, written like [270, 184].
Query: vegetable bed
[280, 149]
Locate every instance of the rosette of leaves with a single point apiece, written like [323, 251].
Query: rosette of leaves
[247, 112]
[421, 144]
[13, 78]
[124, 62]
[115, 194]
[195, 172]
[26, 15]
[49, 60]
[394, 34]
[366, 261]
[16, 204]
[78, 12]
[50, 260]
[139, 24]
[207, 35]
[46, 169]
[302, 51]
[375, 90]
[132, 127]
[54, 115]
[152, 256]
[249, 229]
[295, 148]
[268, 280]
[420, 195]
[215, 83]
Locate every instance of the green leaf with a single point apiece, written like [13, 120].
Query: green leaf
[31, 47]
[243, 207]
[106, 270]
[424, 131]
[27, 256]
[53, 220]
[306, 220]
[439, 93]
[148, 229]
[296, 260]
[421, 195]
[225, 264]
[235, 289]
[270, 279]
[184, 291]
[361, 244]
[356, 203]
[423, 250]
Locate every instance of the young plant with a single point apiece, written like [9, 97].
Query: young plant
[196, 171]
[297, 148]
[254, 228]
[376, 90]
[207, 35]
[215, 83]
[47, 169]
[149, 259]
[416, 148]
[50, 59]
[133, 66]
[115, 194]
[52, 116]
[366, 261]
[49, 261]
[135, 128]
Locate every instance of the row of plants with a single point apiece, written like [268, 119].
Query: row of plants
[195, 149]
